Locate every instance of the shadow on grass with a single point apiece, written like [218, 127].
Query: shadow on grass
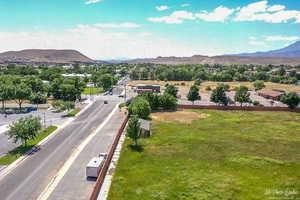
[137, 148]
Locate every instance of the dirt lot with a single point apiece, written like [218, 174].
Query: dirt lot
[183, 116]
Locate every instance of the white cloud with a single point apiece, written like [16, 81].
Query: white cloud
[256, 43]
[253, 41]
[97, 43]
[162, 8]
[261, 11]
[220, 14]
[176, 17]
[276, 8]
[281, 38]
[185, 5]
[92, 1]
[122, 25]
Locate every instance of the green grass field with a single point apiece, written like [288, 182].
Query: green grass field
[92, 91]
[230, 155]
[21, 150]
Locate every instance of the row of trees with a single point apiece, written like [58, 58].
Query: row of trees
[219, 73]
[242, 95]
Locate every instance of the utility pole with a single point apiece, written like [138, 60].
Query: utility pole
[45, 119]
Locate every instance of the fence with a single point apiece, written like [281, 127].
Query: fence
[245, 108]
[105, 167]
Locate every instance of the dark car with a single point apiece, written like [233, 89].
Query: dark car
[105, 102]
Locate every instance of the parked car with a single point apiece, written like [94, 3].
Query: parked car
[105, 102]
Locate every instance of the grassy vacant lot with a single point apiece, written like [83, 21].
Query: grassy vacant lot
[222, 155]
[21, 150]
[92, 91]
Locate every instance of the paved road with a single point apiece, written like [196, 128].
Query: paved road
[74, 185]
[29, 179]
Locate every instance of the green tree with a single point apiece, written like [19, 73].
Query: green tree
[133, 129]
[6, 93]
[140, 107]
[193, 94]
[291, 99]
[172, 90]
[106, 81]
[24, 129]
[242, 95]
[168, 101]
[21, 93]
[218, 96]
[38, 98]
[258, 85]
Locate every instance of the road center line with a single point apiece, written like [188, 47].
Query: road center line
[59, 176]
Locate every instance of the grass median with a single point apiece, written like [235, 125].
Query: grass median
[21, 150]
[224, 155]
[92, 91]
[72, 113]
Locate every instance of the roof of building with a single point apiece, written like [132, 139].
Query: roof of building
[145, 124]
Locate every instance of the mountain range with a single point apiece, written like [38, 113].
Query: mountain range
[47, 56]
[289, 55]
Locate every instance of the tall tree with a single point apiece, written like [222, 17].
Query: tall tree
[258, 85]
[140, 107]
[38, 98]
[242, 95]
[193, 94]
[21, 93]
[6, 93]
[218, 96]
[24, 129]
[291, 99]
[172, 90]
[133, 129]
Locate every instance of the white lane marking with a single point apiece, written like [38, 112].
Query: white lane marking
[20, 160]
[59, 176]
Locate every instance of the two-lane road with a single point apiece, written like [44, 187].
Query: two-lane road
[30, 178]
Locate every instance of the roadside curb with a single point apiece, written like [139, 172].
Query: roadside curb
[103, 193]
[17, 162]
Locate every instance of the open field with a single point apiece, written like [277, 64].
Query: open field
[226, 155]
[92, 91]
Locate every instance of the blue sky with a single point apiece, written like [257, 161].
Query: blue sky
[105, 29]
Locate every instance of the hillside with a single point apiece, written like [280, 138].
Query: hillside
[44, 56]
[291, 51]
[224, 60]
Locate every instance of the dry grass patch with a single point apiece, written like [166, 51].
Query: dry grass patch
[183, 116]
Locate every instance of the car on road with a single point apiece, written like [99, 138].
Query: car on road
[106, 93]
[105, 102]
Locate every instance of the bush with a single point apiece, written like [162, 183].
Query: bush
[167, 102]
[63, 105]
[140, 107]
[257, 103]
[208, 88]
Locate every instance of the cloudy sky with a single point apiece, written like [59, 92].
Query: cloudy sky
[107, 29]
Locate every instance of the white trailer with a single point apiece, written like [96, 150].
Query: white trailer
[94, 166]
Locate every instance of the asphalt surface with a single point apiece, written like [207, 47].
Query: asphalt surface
[29, 179]
[75, 185]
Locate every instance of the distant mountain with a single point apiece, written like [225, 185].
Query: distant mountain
[223, 60]
[291, 51]
[44, 56]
